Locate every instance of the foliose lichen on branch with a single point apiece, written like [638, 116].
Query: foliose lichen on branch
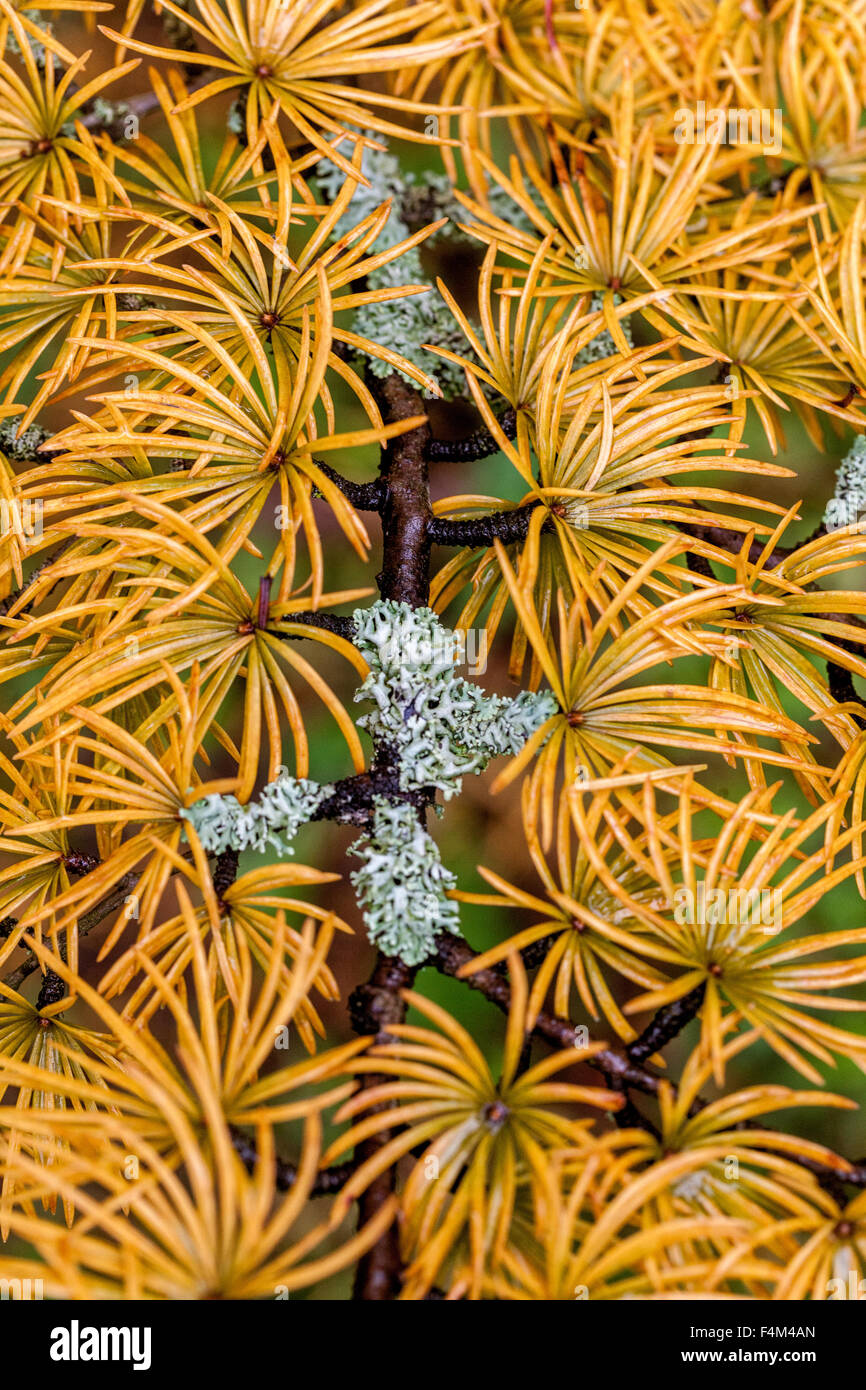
[402, 886]
[438, 727]
[286, 803]
[441, 725]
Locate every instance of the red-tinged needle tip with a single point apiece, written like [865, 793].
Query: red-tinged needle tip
[548, 24]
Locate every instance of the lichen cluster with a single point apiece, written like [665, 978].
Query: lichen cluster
[403, 885]
[848, 503]
[24, 446]
[271, 822]
[440, 725]
[405, 325]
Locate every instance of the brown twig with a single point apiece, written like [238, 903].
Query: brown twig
[453, 954]
[325, 1184]
[475, 446]
[666, 1024]
[509, 527]
[405, 507]
[364, 497]
[141, 105]
[616, 1063]
[351, 802]
[373, 1007]
[331, 622]
[406, 513]
[110, 903]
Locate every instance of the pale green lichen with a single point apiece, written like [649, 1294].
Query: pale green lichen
[24, 448]
[439, 725]
[418, 197]
[603, 345]
[385, 179]
[848, 503]
[236, 120]
[287, 803]
[403, 884]
[178, 33]
[37, 49]
[108, 113]
[405, 325]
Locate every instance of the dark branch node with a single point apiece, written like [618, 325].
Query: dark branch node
[225, 871]
[52, 991]
[629, 1117]
[479, 445]
[378, 1003]
[536, 952]
[330, 622]
[364, 497]
[80, 864]
[325, 1183]
[508, 527]
[667, 1023]
[351, 802]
